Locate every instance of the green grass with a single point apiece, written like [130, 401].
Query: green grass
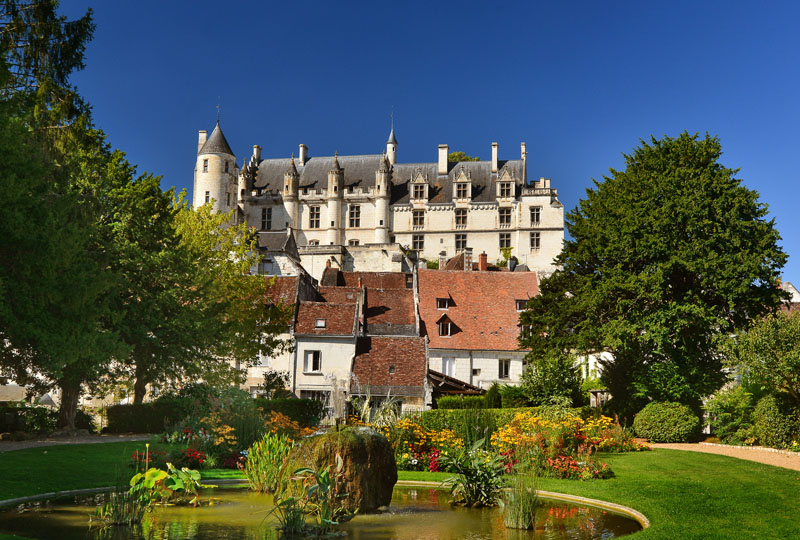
[685, 495]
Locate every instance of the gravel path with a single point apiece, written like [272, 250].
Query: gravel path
[8, 446]
[769, 456]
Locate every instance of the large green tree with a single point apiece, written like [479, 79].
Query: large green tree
[664, 257]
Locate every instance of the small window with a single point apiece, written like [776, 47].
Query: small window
[536, 215]
[504, 365]
[226, 166]
[505, 217]
[355, 216]
[352, 242]
[242, 194]
[391, 370]
[525, 330]
[521, 304]
[418, 219]
[381, 222]
[313, 362]
[505, 240]
[442, 303]
[419, 191]
[409, 281]
[476, 372]
[461, 242]
[418, 242]
[208, 196]
[266, 219]
[313, 242]
[535, 241]
[228, 198]
[462, 188]
[461, 217]
[505, 189]
[335, 189]
[319, 323]
[444, 328]
[205, 165]
[333, 224]
[313, 217]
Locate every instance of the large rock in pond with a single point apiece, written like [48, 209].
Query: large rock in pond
[369, 471]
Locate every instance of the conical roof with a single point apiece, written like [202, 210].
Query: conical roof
[216, 143]
[392, 139]
[336, 166]
[292, 170]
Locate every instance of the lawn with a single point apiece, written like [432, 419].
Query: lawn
[685, 495]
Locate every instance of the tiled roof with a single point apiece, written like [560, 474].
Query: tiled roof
[340, 295]
[339, 318]
[284, 290]
[375, 356]
[482, 307]
[390, 312]
[376, 280]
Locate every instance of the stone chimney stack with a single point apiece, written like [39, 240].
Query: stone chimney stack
[257, 153]
[303, 154]
[483, 262]
[524, 157]
[443, 151]
[442, 260]
[468, 259]
[494, 156]
[201, 139]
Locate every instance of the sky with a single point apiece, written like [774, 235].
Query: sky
[580, 82]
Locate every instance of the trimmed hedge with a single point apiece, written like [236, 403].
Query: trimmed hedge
[667, 422]
[776, 421]
[306, 412]
[143, 417]
[461, 402]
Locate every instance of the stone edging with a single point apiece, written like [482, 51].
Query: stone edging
[765, 448]
[616, 508]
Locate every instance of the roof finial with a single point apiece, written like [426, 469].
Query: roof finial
[292, 158]
[218, 102]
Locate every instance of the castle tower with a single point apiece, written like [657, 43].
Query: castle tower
[391, 147]
[383, 183]
[215, 172]
[290, 194]
[335, 195]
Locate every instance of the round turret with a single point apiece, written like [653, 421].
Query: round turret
[215, 173]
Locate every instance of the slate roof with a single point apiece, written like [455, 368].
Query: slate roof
[216, 143]
[339, 318]
[359, 171]
[482, 307]
[390, 312]
[376, 355]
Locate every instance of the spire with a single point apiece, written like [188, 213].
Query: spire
[216, 143]
[336, 166]
[292, 170]
[392, 138]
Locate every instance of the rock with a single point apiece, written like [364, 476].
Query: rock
[370, 471]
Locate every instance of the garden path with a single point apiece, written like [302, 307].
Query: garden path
[769, 456]
[8, 446]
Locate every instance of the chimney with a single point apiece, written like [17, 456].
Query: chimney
[443, 151]
[523, 151]
[328, 263]
[483, 262]
[201, 139]
[494, 156]
[360, 283]
[257, 153]
[442, 260]
[303, 155]
[468, 259]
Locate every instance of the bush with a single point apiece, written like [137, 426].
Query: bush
[776, 421]
[461, 402]
[306, 412]
[142, 418]
[667, 422]
[264, 461]
[553, 377]
[730, 414]
[493, 398]
[513, 397]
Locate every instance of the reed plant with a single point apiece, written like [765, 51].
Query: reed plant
[264, 461]
[520, 499]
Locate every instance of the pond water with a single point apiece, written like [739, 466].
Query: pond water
[415, 513]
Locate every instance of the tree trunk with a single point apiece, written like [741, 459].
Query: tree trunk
[139, 385]
[70, 393]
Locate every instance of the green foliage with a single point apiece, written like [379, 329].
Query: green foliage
[513, 397]
[264, 460]
[553, 377]
[667, 422]
[520, 500]
[432, 265]
[776, 421]
[472, 424]
[662, 258]
[493, 398]
[275, 385]
[119, 508]
[151, 417]
[306, 412]
[769, 353]
[455, 157]
[461, 402]
[730, 414]
[479, 475]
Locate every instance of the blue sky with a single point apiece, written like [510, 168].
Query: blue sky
[580, 82]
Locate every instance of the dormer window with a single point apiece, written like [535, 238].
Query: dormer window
[445, 327]
[505, 189]
[419, 191]
[319, 323]
[521, 304]
[462, 190]
[442, 303]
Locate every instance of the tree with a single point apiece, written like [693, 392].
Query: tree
[455, 157]
[769, 352]
[553, 378]
[664, 257]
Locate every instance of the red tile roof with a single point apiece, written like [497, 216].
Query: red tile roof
[376, 280]
[340, 295]
[376, 355]
[284, 290]
[482, 307]
[390, 306]
[339, 318]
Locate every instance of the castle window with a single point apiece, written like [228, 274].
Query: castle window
[535, 241]
[266, 219]
[419, 191]
[505, 217]
[461, 242]
[462, 190]
[418, 242]
[355, 215]
[205, 165]
[461, 218]
[208, 196]
[418, 219]
[503, 368]
[313, 242]
[228, 196]
[536, 214]
[505, 240]
[352, 242]
[226, 166]
[313, 217]
[505, 189]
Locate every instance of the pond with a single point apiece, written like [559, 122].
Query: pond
[415, 513]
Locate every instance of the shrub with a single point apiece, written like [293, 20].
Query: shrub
[306, 412]
[776, 421]
[513, 397]
[730, 414]
[461, 402]
[479, 480]
[553, 376]
[493, 398]
[142, 418]
[667, 422]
